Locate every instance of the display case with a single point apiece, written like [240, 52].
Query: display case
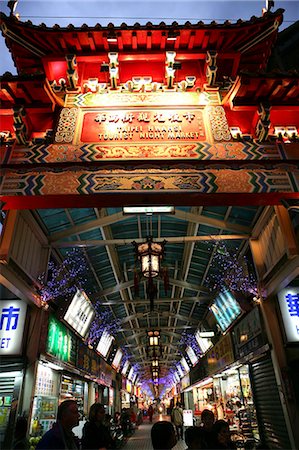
[5, 406]
[45, 401]
[72, 389]
[44, 414]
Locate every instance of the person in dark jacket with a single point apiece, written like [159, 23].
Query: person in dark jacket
[163, 435]
[61, 437]
[96, 435]
[194, 438]
[20, 440]
[207, 422]
[222, 435]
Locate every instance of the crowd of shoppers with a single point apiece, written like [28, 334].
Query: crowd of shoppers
[100, 431]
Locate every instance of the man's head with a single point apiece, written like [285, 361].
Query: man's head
[68, 414]
[163, 435]
[208, 419]
[221, 432]
[97, 413]
[194, 438]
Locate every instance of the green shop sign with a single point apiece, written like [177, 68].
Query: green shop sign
[61, 342]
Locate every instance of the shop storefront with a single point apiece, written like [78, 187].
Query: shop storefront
[12, 369]
[54, 381]
[261, 415]
[125, 393]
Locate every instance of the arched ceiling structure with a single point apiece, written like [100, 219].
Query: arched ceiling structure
[105, 237]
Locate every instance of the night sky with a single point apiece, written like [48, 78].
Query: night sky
[105, 11]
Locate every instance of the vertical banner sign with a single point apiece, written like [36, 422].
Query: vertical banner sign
[289, 306]
[61, 342]
[12, 321]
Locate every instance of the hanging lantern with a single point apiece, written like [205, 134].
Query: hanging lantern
[150, 255]
[154, 337]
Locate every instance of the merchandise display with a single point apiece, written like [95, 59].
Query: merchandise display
[45, 402]
[72, 389]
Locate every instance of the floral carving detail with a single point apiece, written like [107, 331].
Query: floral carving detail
[219, 125]
[148, 183]
[66, 125]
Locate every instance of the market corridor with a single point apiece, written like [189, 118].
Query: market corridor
[141, 440]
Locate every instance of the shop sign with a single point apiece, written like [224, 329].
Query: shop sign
[87, 360]
[12, 321]
[105, 343]
[225, 309]
[128, 387]
[185, 382]
[199, 372]
[80, 313]
[105, 373]
[61, 342]
[248, 335]
[143, 126]
[289, 306]
[221, 355]
[117, 359]
[188, 417]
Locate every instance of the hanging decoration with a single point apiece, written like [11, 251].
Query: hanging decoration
[150, 255]
[65, 278]
[104, 320]
[188, 339]
[231, 270]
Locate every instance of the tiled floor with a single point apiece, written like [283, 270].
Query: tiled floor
[141, 440]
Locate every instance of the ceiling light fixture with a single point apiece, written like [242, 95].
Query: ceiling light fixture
[148, 210]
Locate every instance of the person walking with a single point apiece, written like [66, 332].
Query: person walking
[177, 420]
[61, 437]
[150, 413]
[96, 435]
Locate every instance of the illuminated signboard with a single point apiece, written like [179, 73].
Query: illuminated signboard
[180, 371]
[61, 342]
[117, 359]
[176, 377]
[130, 374]
[80, 313]
[143, 125]
[192, 355]
[204, 343]
[185, 365]
[225, 309]
[134, 379]
[12, 320]
[125, 368]
[105, 343]
[289, 306]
